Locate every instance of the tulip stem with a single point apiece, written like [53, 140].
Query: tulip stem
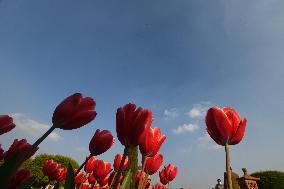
[82, 165]
[112, 180]
[228, 170]
[117, 178]
[43, 137]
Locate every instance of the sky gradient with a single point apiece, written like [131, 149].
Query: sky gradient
[176, 57]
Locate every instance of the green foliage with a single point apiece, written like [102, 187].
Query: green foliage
[270, 179]
[36, 165]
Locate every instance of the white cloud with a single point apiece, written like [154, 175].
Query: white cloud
[171, 113]
[186, 128]
[207, 142]
[32, 127]
[198, 110]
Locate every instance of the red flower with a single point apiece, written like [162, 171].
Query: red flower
[21, 147]
[61, 174]
[1, 153]
[143, 177]
[97, 187]
[117, 161]
[131, 124]
[91, 178]
[225, 125]
[85, 186]
[74, 112]
[6, 124]
[80, 178]
[153, 164]
[90, 165]
[101, 169]
[159, 186]
[50, 169]
[168, 174]
[20, 177]
[103, 182]
[101, 142]
[151, 142]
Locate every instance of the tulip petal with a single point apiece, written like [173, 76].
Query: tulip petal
[240, 133]
[234, 118]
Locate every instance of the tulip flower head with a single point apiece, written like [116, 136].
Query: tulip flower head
[117, 161]
[20, 177]
[91, 178]
[19, 147]
[90, 165]
[74, 112]
[225, 126]
[159, 186]
[80, 178]
[6, 124]
[153, 164]
[101, 169]
[85, 186]
[50, 168]
[61, 174]
[101, 142]
[151, 142]
[131, 123]
[168, 174]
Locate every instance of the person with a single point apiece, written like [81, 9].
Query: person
[219, 184]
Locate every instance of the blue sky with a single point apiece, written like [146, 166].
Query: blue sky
[176, 57]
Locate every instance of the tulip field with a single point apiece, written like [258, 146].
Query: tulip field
[133, 130]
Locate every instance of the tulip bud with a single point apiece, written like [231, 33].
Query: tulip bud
[91, 178]
[151, 142]
[61, 174]
[90, 165]
[153, 164]
[117, 161]
[131, 123]
[85, 186]
[74, 112]
[101, 142]
[6, 124]
[101, 169]
[225, 125]
[80, 178]
[50, 169]
[159, 186]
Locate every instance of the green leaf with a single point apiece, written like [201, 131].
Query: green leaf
[70, 178]
[127, 180]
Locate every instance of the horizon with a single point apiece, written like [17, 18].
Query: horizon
[178, 58]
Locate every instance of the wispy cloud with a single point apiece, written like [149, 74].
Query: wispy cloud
[31, 127]
[186, 128]
[206, 141]
[199, 110]
[171, 113]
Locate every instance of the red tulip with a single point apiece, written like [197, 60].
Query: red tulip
[91, 178]
[163, 177]
[171, 171]
[101, 169]
[80, 178]
[106, 187]
[74, 112]
[1, 153]
[50, 169]
[85, 186]
[131, 123]
[20, 177]
[117, 161]
[61, 174]
[153, 164]
[19, 146]
[97, 187]
[225, 125]
[101, 142]
[90, 165]
[6, 124]
[151, 142]
[159, 186]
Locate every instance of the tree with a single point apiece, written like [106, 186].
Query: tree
[270, 179]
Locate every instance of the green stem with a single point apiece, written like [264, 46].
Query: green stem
[82, 165]
[228, 170]
[43, 137]
[117, 178]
